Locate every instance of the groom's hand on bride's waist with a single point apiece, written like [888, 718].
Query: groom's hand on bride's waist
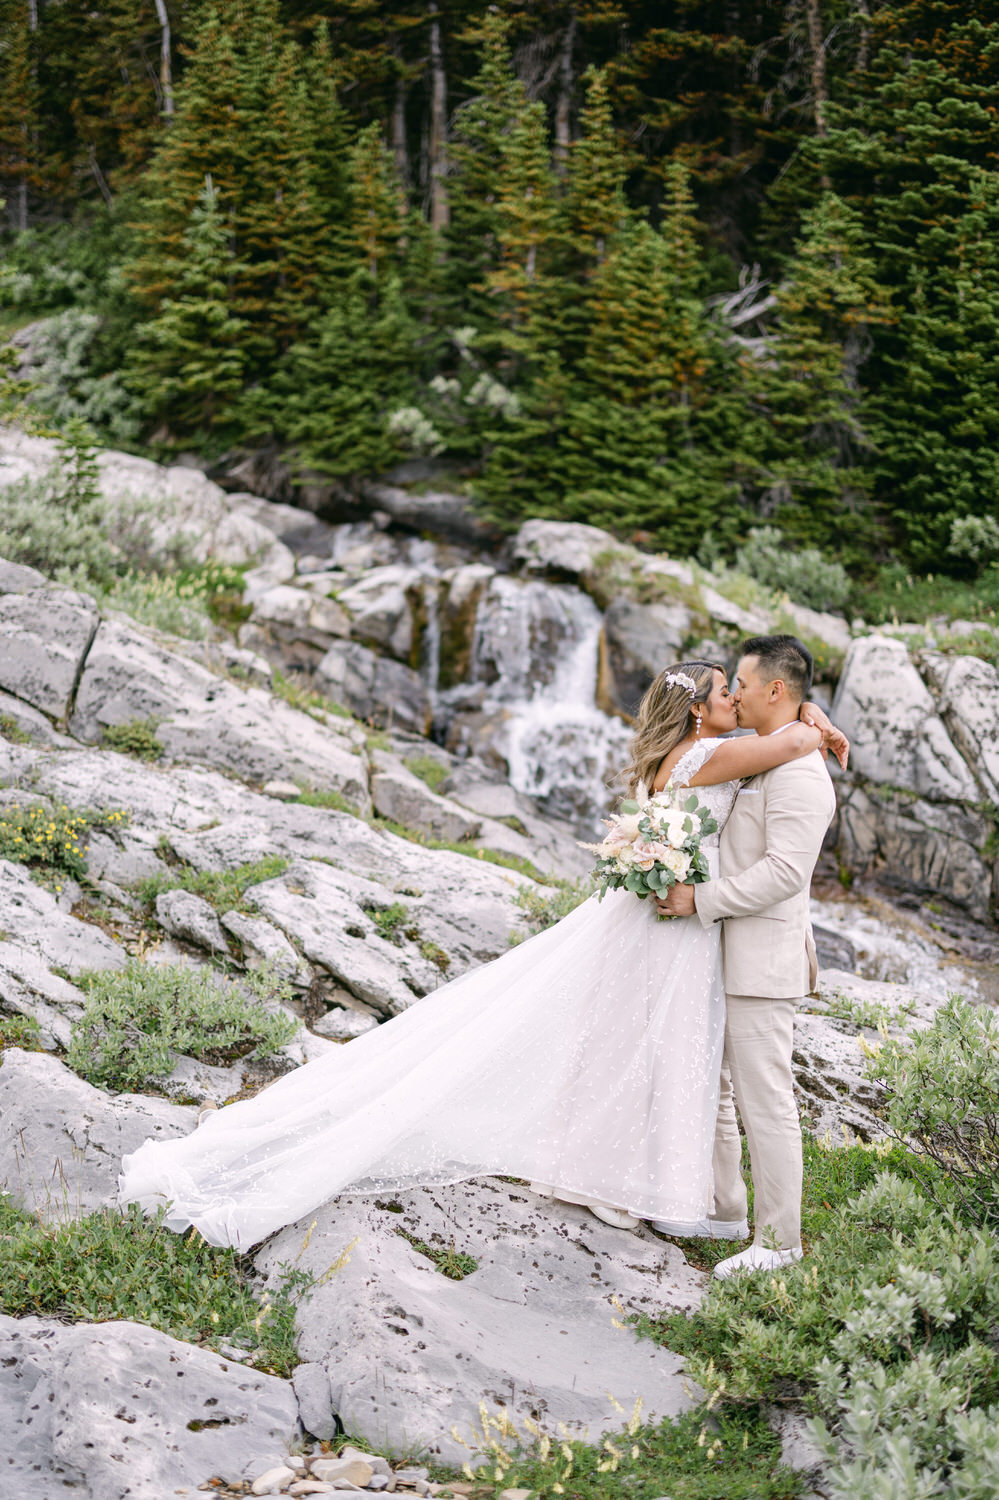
[679, 902]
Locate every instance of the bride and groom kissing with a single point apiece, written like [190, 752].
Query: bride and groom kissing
[603, 1059]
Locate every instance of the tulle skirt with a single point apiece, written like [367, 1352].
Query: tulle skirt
[587, 1057]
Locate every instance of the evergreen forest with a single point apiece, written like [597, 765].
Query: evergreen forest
[678, 269]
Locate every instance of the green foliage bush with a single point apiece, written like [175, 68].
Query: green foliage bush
[65, 386]
[137, 1020]
[224, 889]
[52, 837]
[135, 737]
[544, 910]
[805, 576]
[20, 1031]
[108, 1266]
[184, 602]
[943, 1100]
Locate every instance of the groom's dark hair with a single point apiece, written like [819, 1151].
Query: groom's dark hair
[785, 657]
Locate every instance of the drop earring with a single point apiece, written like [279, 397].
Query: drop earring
[697, 731]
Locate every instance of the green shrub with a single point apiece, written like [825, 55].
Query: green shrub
[942, 1085]
[136, 737]
[182, 603]
[224, 889]
[65, 386]
[333, 800]
[53, 838]
[883, 1331]
[452, 1263]
[108, 1266]
[138, 1019]
[806, 576]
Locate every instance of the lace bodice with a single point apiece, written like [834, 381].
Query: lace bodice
[720, 799]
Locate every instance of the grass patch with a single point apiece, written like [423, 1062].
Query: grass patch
[305, 698]
[12, 731]
[471, 851]
[53, 838]
[20, 1031]
[543, 910]
[896, 594]
[137, 737]
[390, 920]
[137, 1021]
[223, 889]
[450, 1262]
[332, 800]
[428, 769]
[435, 955]
[182, 603]
[698, 1456]
[109, 1266]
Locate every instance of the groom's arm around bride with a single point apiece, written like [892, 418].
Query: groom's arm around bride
[769, 848]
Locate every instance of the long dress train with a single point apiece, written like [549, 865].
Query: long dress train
[588, 1057]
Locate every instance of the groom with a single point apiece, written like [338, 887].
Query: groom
[769, 848]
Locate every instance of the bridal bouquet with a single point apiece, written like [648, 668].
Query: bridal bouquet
[654, 843]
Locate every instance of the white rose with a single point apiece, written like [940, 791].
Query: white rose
[677, 863]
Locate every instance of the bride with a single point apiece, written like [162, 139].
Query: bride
[586, 1059]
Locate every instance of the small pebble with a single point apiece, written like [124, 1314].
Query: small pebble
[285, 791]
[379, 1482]
[310, 1487]
[355, 1470]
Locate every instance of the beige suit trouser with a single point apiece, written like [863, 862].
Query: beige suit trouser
[756, 1076]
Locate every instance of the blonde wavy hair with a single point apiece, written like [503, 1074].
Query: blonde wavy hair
[664, 718]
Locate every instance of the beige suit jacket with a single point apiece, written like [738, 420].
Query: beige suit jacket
[769, 848]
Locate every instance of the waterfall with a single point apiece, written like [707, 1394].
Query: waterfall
[536, 646]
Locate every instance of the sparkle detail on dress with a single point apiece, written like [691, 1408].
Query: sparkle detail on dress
[587, 1057]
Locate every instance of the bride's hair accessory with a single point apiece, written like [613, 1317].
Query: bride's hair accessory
[680, 679]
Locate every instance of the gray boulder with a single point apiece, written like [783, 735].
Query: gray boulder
[262, 944]
[912, 843]
[118, 1411]
[313, 905]
[637, 642]
[31, 916]
[967, 693]
[62, 1140]
[190, 918]
[15, 578]
[298, 614]
[459, 607]
[375, 688]
[404, 1355]
[435, 511]
[202, 717]
[897, 736]
[562, 548]
[45, 635]
[398, 794]
[382, 606]
[29, 988]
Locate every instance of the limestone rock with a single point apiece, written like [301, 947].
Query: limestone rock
[562, 548]
[832, 631]
[15, 578]
[262, 943]
[911, 843]
[302, 615]
[45, 635]
[727, 612]
[341, 1025]
[638, 641]
[409, 1354]
[897, 737]
[190, 918]
[120, 1411]
[398, 794]
[334, 931]
[436, 511]
[18, 720]
[31, 916]
[62, 1140]
[512, 822]
[459, 607]
[202, 717]
[380, 691]
[967, 692]
[29, 988]
[380, 609]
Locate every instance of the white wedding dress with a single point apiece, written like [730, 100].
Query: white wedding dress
[587, 1058]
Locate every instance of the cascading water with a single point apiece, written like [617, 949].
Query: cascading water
[536, 646]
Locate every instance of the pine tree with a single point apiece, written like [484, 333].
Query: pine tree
[813, 433]
[189, 364]
[20, 173]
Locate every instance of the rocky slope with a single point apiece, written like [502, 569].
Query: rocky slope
[362, 920]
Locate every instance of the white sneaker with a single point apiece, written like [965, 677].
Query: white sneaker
[756, 1258]
[703, 1229]
[617, 1218]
